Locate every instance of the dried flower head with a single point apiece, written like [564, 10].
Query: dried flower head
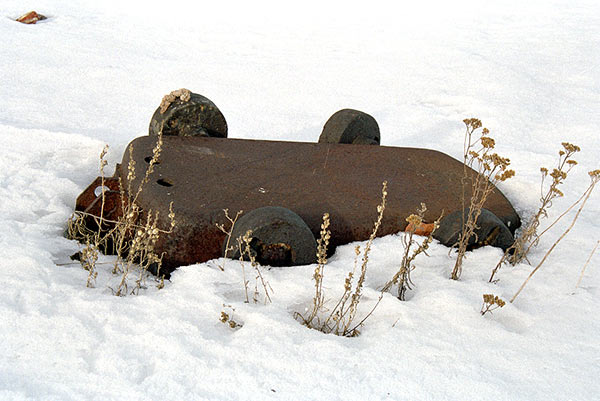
[487, 142]
[414, 220]
[505, 175]
[491, 302]
[558, 174]
[472, 123]
[224, 317]
[569, 147]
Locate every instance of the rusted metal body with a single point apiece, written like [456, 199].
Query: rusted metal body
[201, 176]
[90, 201]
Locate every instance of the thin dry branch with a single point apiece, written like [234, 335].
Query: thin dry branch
[595, 176]
[586, 264]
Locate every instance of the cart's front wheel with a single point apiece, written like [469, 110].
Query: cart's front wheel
[277, 237]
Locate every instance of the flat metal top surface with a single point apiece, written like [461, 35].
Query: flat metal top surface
[202, 176]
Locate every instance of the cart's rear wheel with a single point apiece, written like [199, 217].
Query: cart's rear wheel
[490, 230]
[183, 113]
[351, 126]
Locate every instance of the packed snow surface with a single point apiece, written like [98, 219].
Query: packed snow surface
[94, 72]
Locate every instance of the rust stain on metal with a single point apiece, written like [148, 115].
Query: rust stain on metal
[90, 200]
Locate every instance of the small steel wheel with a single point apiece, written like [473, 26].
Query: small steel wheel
[279, 237]
[490, 230]
[183, 113]
[351, 126]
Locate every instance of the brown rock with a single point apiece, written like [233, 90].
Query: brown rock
[30, 18]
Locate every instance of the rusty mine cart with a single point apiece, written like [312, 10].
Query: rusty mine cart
[285, 187]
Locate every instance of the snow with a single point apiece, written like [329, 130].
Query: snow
[94, 72]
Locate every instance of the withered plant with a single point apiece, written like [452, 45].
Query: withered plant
[129, 237]
[318, 304]
[595, 178]
[402, 277]
[246, 251]
[587, 262]
[490, 169]
[88, 257]
[94, 240]
[491, 302]
[529, 236]
[341, 319]
[228, 232]
[228, 318]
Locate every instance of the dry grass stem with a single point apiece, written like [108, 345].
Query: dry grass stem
[88, 259]
[228, 232]
[322, 245]
[586, 264]
[402, 277]
[240, 244]
[490, 168]
[595, 177]
[246, 250]
[340, 319]
[129, 239]
[529, 236]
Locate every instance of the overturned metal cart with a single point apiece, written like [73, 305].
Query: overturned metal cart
[291, 184]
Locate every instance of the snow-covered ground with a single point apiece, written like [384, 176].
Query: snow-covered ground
[94, 72]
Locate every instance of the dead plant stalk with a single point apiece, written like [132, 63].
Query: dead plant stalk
[490, 169]
[529, 236]
[595, 177]
[587, 262]
[131, 241]
[340, 320]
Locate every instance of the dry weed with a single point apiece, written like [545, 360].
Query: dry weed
[228, 318]
[246, 250]
[319, 298]
[529, 236]
[228, 232]
[88, 258]
[340, 320]
[587, 262]
[402, 277]
[491, 302]
[595, 178]
[131, 241]
[490, 168]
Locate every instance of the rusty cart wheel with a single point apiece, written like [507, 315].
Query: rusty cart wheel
[490, 230]
[279, 237]
[183, 113]
[351, 126]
